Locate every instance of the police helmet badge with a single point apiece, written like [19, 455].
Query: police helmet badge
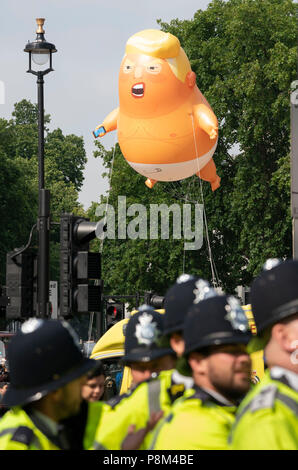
[184, 278]
[271, 263]
[203, 291]
[145, 308]
[146, 330]
[31, 325]
[236, 315]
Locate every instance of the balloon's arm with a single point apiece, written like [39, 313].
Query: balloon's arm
[108, 125]
[206, 120]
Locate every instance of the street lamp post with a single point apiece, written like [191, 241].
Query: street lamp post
[40, 52]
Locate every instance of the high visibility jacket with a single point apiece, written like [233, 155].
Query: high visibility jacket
[18, 432]
[196, 421]
[135, 408]
[96, 412]
[267, 417]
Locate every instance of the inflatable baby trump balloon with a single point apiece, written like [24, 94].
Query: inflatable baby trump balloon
[167, 130]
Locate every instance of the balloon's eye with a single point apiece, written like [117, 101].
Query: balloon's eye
[127, 68]
[154, 68]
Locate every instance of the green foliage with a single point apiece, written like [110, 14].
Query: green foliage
[18, 205]
[244, 55]
[64, 163]
[66, 153]
[124, 259]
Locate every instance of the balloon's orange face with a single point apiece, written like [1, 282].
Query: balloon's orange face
[148, 87]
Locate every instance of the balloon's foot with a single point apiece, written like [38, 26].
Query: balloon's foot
[215, 184]
[150, 183]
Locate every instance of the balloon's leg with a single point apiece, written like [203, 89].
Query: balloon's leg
[208, 173]
[150, 183]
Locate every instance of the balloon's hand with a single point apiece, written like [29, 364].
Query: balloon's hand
[99, 131]
[213, 134]
[134, 439]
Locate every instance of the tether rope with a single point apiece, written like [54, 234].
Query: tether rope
[96, 283]
[215, 279]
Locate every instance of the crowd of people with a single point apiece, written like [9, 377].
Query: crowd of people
[191, 388]
[4, 382]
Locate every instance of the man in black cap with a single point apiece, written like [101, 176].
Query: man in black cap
[216, 332]
[267, 417]
[47, 371]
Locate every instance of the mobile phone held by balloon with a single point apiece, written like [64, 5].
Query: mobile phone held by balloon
[99, 131]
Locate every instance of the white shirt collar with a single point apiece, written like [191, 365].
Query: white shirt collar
[182, 379]
[277, 372]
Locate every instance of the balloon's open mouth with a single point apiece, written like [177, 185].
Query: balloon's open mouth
[138, 90]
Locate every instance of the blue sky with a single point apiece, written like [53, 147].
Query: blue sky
[90, 36]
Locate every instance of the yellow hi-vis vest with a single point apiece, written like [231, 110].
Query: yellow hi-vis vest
[196, 421]
[135, 408]
[267, 418]
[18, 432]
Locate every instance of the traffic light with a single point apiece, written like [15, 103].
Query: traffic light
[114, 313]
[155, 300]
[78, 267]
[20, 285]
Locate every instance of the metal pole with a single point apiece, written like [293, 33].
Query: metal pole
[43, 214]
[100, 315]
[40, 98]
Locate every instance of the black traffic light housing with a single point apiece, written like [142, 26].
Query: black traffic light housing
[155, 300]
[115, 311]
[21, 278]
[78, 267]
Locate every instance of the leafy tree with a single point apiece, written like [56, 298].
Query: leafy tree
[142, 264]
[67, 153]
[25, 129]
[64, 164]
[244, 55]
[18, 204]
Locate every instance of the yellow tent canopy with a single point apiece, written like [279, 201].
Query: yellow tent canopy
[111, 344]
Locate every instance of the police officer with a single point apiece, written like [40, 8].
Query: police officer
[160, 392]
[267, 417]
[47, 370]
[142, 353]
[146, 359]
[216, 332]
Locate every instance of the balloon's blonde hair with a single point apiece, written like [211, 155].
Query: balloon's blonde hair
[161, 45]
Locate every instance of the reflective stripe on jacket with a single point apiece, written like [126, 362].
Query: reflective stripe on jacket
[267, 418]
